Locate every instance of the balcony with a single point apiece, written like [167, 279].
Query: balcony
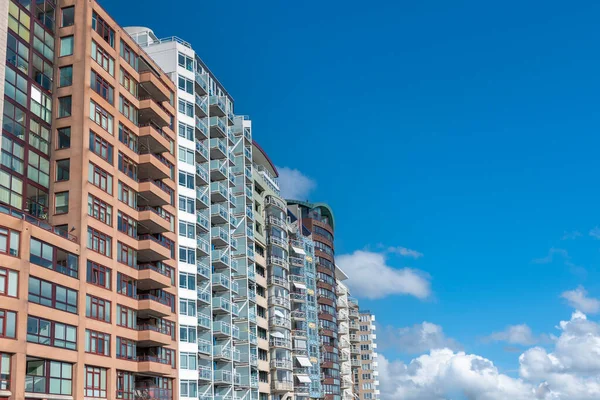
[155, 139]
[154, 86]
[218, 192]
[280, 342]
[282, 386]
[203, 321]
[220, 282]
[152, 336]
[271, 201]
[280, 322]
[278, 222]
[204, 295]
[218, 149]
[223, 377]
[220, 258]
[218, 170]
[201, 106]
[274, 240]
[278, 261]
[204, 347]
[219, 236]
[153, 220]
[202, 221]
[150, 276]
[248, 135]
[217, 106]
[153, 365]
[205, 373]
[235, 287]
[221, 305]
[201, 84]
[202, 199]
[201, 128]
[222, 352]
[219, 214]
[278, 280]
[202, 174]
[152, 112]
[202, 245]
[154, 193]
[280, 301]
[153, 166]
[218, 127]
[152, 306]
[202, 154]
[152, 248]
[298, 297]
[281, 363]
[299, 315]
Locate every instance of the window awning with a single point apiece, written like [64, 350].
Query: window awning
[298, 250]
[277, 335]
[279, 314]
[304, 361]
[300, 285]
[303, 378]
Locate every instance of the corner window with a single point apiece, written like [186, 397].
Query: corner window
[48, 376]
[48, 256]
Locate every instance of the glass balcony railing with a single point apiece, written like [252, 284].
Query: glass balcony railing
[202, 196]
[222, 327]
[202, 148]
[204, 320]
[218, 232]
[203, 244]
[235, 332]
[203, 295]
[218, 187]
[220, 279]
[218, 144]
[221, 303]
[202, 81]
[220, 256]
[204, 346]
[205, 373]
[202, 220]
[218, 209]
[202, 268]
[224, 351]
[202, 127]
[223, 376]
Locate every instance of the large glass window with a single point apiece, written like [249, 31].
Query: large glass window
[103, 29]
[63, 170]
[101, 147]
[187, 255]
[42, 72]
[129, 55]
[51, 333]
[61, 203]
[126, 224]
[188, 361]
[127, 195]
[97, 342]
[15, 87]
[9, 242]
[187, 108]
[97, 308]
[189, 388]
[11, 189]
[54, 258]
[8, 324]
[17, 53]
[128, 110]
[52, 295]
[186, 131]
[126, 255]
[126, 285]
[126, 317]
[128, 82]
[186, 204]
[39, 136]
[95, 382]
[187, 333]
[99, 242]
[100, 178]
[185, 61]
[103, 59]
[99, 210]
[68, 16]
[186, 155]
[128, 166]
[102, 87]
[125, 385]
[64, 137]
[40, 104]
[9, 282]
[65, 76]
[126, 349]
[14, 120]
[64, 106]
[187, 281]
[48, 376]
[39, 169]
[18, 21]
[101, 117]
[66, 46]
[98, 275]
[186, 180]
[186, 85]
[13, 154]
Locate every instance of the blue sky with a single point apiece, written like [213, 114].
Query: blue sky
[466, 131]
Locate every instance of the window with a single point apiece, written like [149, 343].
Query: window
[101, 117]
[100, 178]
[66, 46]
[129, 55]
[15, 87]
[48, 376]
[99, 210]
[13, 154]
[188, 389]
[64, 137]
[64, 106]
[187, 255]
[126, 317]
[95, 382]
[63, 170]
[39, 136]
[127, 137]
[126, 349]
[44, 11]
[68, 16]
[187, 108]
[128, 166]
[128, 82]
[187, 229]
[125, 385]
[97, 343]
[39, 169]
[9, 242]
[9, 282]
[128, 110]
[8, 324]
[188, 361]
[103, 29]
[18, 21]
[99, 242]
[61, 203]
[52, 295]
[101, 147]
[185, 61]
[126, 255]
[187, 281]
[51, 333]
[365, 347]
[186, 155]
[187, 307]
[42, 72]
[103, 59]
[187, 333]
[97, 308]
[186, 131]
[186, 85]
[48, 256]
[65, 76]
[98, 275]
[4, 371]
[126, 285]
[41, 104]
[14, 119]
[186, 180]
[127, 195]
[126, 224]
[186, 204]
[17, 53]
[102, 87]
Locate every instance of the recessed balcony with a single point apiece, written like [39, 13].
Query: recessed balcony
[153, 166]
[217, 106]
[153, 85]
[152, 112]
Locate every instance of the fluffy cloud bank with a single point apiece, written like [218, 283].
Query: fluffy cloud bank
[294, 184]
[570, 372]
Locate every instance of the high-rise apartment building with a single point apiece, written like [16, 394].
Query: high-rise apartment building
[364, 354]
[344, 310]
[317, 218]
[217, 282]
[87, 283]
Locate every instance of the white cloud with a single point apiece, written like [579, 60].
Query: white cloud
[404, 252]
[579, 300]
[293, 184]
[415, 339]
[551, 255]
[518, 334]
[371, 277]
[595, 232]
[570, 372]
